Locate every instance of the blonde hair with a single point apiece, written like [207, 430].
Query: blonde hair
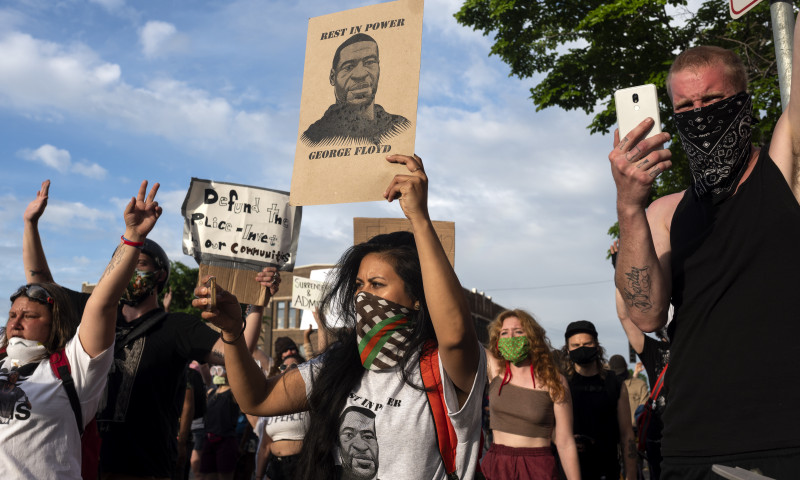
[708, 55]
[541, 356]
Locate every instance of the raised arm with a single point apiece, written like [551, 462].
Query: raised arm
[255, 394]
[641, 276]
[33, 259]
[458, 343]
[784, 148]
[100, 315]
[635, 336]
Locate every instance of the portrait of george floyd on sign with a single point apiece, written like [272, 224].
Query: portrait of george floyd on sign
[359, 102]
[366, 228]
[233, 231]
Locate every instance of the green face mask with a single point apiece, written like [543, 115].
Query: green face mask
[514, 349]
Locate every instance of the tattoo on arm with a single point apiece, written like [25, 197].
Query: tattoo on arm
[36, 272]
[216, 357]
[116, 259]
[631, 449]
[637, 290]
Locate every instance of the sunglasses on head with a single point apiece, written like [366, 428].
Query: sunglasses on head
[283, 367]
[34, 292]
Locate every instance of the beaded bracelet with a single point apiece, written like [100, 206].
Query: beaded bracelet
[244, 325]
[131, 243]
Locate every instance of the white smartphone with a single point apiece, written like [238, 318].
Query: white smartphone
[634, 104]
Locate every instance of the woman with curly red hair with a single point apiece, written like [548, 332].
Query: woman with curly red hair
[529, 401]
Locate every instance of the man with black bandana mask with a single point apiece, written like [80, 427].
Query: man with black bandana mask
[725, 254]
[138, 417]
[600, 408]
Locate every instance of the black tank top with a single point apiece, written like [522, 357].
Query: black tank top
[736, 289]
[222, 414]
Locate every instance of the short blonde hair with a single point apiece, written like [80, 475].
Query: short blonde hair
[708, 55]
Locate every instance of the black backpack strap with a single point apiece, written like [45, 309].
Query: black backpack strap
[137, 332]
[61, 369]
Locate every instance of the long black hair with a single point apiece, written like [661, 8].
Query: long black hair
[341, 368]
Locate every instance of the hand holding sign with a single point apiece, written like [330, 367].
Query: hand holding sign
[271, 278]
[411, 189]
[227, 315]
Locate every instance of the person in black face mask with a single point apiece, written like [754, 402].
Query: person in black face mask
[724, 253]
[600, 407]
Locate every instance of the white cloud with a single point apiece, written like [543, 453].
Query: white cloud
[91, 170]
[49, 155]
[61, 160]
[43, 80]
[78, 215]
[155, 37]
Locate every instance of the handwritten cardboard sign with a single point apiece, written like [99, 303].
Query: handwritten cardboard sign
[359, 102]
[235, 230]
[306, 293]
[307, 318]
[366, 228]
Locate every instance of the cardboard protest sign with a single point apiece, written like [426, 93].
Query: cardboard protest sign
[307, 318]
[359, 102]
[233, 231]
[306, 293]
[366, 228]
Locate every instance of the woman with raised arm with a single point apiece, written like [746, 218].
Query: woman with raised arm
[40, 420]
[404, 312]
[529, 401]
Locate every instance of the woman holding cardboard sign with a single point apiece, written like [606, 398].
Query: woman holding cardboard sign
[409, 349]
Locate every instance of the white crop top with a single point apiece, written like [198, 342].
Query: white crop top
[286, 427]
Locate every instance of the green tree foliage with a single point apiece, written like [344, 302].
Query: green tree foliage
[182, 281]
[580, 52]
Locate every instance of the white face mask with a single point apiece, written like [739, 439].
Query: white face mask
[21, 351]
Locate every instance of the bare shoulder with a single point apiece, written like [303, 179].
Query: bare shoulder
[659, 215]
[662, 209]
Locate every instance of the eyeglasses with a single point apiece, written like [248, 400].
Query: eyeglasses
[34, 292]
[217, 370]
[283, 367]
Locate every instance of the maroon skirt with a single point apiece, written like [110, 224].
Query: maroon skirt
[509, 463]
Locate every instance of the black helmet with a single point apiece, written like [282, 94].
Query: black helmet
[160, 258]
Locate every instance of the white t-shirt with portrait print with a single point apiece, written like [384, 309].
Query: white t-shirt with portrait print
[39, 437]
[388, 426]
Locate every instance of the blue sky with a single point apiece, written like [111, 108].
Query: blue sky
[98, 95]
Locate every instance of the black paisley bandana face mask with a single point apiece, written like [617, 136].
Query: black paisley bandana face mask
[716, 139]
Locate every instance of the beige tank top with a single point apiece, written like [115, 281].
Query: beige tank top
[521, 411]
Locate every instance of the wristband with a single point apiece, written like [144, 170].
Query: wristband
[131, 243]
[244, 325]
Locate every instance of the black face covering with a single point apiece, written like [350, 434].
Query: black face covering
[583, 355]
[716, 139]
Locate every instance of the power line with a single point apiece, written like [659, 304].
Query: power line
[549, 286]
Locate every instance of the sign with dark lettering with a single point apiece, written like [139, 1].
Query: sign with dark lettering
[359, 102]
[306, 293]
[239, 227]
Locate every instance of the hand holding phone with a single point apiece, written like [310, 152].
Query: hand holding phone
[634, 104]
